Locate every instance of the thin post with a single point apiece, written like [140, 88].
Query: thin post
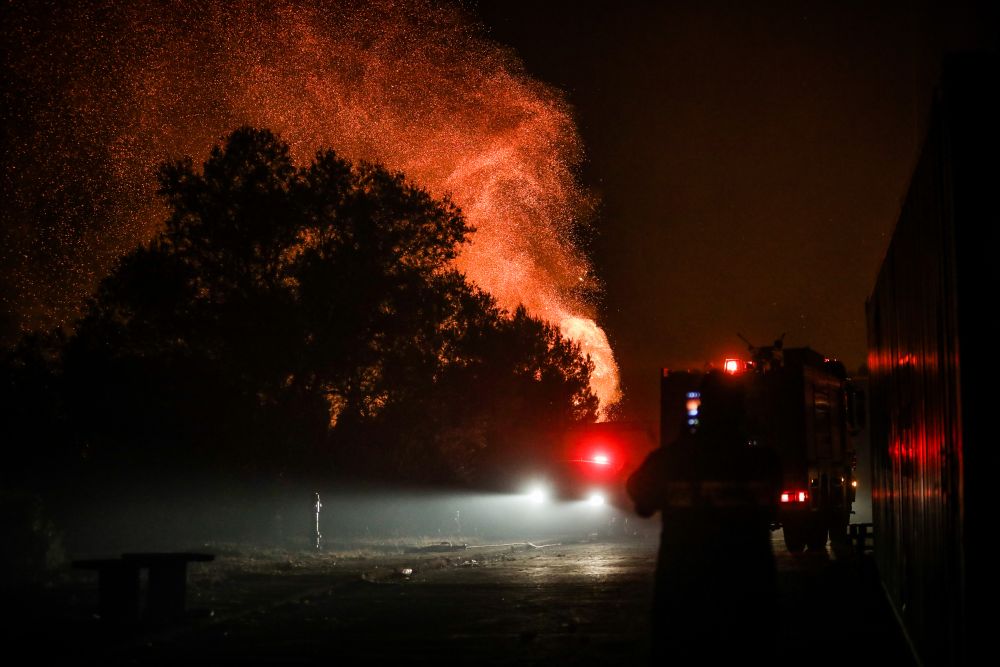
[319, 536]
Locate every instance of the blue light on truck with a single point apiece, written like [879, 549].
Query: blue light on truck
[693, 407]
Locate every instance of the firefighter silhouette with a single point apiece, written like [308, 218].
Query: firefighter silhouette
[715, 598]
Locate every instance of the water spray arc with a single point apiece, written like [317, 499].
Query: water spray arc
[412, 84]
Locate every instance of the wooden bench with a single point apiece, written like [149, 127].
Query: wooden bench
[119, 584]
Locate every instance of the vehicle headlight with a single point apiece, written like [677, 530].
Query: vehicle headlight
[538, 494]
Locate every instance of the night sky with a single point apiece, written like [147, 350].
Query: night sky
[747, 160]
[751, 159]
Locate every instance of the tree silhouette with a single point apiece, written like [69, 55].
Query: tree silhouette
[293, 317]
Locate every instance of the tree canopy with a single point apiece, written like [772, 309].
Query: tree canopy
[293, 317]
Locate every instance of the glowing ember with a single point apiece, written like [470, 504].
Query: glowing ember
[98, 95]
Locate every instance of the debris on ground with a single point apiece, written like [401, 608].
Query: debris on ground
[440, 547]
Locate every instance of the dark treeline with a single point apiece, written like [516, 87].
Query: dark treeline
[292, 322]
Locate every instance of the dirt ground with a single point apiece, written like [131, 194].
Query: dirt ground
[422, 602]
[548, 602]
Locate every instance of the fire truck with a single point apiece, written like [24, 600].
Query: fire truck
[796, 403]
[596, 459]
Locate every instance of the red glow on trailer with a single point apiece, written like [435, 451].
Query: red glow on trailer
[794, 496]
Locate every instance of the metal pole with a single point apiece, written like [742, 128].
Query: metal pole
[319, 535]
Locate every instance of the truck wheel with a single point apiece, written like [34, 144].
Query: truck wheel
[794, 540]
[817, 536]
[838, 530]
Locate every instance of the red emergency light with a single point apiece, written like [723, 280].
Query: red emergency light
[794, 496]
[732, 366]
[597, 459]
